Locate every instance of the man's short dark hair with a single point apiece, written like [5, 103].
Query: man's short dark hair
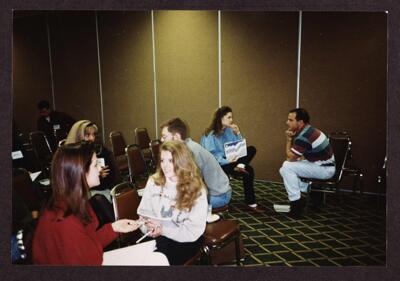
[301, 114]
[43, 104]
[176, 125]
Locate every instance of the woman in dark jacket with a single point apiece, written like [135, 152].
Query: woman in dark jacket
[100, 198]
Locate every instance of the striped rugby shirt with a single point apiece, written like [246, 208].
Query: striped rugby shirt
[313, 145]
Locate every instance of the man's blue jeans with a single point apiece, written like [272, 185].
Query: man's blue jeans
[220, 200]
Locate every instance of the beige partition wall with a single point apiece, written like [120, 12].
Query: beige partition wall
[259, 62]
[342, 74]
[343, 81]
[187, 66]
[30, 69]
[125, 43]
[75, 70]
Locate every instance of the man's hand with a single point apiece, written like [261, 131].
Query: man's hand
[290, 134]
[290, 156]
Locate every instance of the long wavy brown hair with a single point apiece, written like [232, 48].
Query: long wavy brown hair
[69, 167]
[215, 126]
[190, 183]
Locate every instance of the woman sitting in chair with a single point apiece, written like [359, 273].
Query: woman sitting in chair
[174, 204]
[100, 198]
[221, 131]
[67, 232]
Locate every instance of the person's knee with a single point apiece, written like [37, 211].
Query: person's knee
[251, 150]
[285, 166]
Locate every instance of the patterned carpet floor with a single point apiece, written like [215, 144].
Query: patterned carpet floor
[352, 233]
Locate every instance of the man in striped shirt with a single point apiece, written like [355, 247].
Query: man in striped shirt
[308, 155]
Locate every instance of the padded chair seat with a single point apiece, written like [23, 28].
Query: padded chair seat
[219, 235]
[220, 231]
[319, 182]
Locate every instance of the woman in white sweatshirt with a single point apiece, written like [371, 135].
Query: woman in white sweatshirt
[174, 204]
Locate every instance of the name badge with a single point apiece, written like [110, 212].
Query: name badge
[17, 155]
[56, 127]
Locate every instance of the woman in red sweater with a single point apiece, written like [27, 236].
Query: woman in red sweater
[67, 232]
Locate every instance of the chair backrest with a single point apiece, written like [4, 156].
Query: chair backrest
[125, 201]
[155, 151]
[136, 162]
[22, 185]
[41, 147]
[62, 142]
[118, 143]
[142, 138]
[341, 149]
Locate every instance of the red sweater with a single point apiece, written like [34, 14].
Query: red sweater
[67, 241]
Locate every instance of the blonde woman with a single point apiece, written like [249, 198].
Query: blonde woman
[85, 130]
[174, 204]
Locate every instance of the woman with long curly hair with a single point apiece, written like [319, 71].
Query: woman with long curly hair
[174, 204]
[222, 130]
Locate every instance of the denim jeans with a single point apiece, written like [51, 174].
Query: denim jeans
[220, 200]
[291, 171]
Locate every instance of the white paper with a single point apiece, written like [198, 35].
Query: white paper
[101, 162]
[16, 155]
[139, 254]
[56, 127]
[281, 208]
[167, 222]
[140, 192]
[235, 149]
[45, 181]
[34, 175]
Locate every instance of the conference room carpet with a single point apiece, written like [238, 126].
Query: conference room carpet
[352, 233]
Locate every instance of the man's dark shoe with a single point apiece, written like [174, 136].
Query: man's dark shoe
[256, 209]
[296, 209]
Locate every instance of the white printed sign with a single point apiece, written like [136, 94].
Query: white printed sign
[235, 149]
[16, 155]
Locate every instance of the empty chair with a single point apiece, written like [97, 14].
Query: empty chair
[118, 145]
[137, 166]
[220, 235]
[126, 201]
[142, 139]
[155, 152]
[341, 147]
[41, 148]
[350, 169]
